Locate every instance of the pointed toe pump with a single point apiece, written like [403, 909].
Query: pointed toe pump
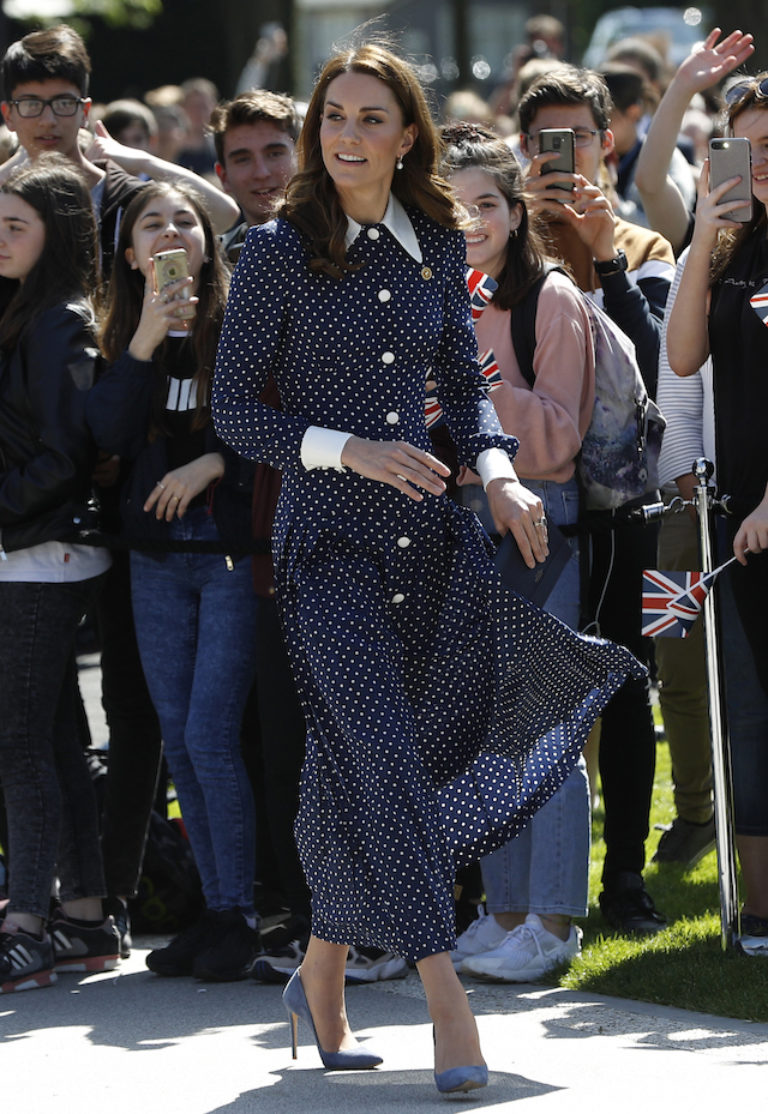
[295, 1001]
[461, 1079]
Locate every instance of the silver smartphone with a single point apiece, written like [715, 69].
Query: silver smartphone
[728, 158]
[170, 266]
[560, 140]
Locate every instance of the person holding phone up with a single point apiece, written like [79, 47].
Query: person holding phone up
[627, 270]
[186, 512]
[721, 311]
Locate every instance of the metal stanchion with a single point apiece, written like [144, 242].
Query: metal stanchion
[718, 729]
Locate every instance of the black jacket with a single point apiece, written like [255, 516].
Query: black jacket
[46, 451]
[118, 410]
[119, 191]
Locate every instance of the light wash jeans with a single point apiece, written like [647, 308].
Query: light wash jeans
[545, 869]
[196, 629]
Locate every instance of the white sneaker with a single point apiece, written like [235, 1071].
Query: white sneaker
[484, 934]
[527, 953]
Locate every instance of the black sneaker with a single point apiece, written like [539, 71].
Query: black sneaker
[627, 905]
[283, 950]
[685, 843]
[26, 961]
[118, 909]
[178, 957]
[230, 956]
[80, 947]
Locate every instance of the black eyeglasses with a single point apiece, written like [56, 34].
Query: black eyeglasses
[29, 107]
[741, 88]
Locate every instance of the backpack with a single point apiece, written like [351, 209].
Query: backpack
[619, 457]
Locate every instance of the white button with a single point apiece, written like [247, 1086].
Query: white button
[388, 357]
[398, 597]
[392, 417]
[373, 233]
[403, 542]
[384, 295]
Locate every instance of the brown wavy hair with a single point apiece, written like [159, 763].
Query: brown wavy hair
[472, 146]
[311, 202]
[126, 296]
[730, 241]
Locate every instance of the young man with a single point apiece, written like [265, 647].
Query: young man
[628, 270]
[255, 138]
[45, 79]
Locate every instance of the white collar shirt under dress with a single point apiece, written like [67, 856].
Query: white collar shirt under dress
[442, 711]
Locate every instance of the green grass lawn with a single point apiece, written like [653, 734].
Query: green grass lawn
[683, 965]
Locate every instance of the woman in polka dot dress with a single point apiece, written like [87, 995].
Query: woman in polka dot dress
[441, 710]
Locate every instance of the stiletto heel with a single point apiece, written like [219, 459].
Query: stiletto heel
[295, 1002]
[294, 1020]
[460, 1079]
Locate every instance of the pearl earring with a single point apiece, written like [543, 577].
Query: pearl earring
[399, 163]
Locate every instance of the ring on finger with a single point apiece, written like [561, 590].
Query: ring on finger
[174, 497]
[161, 485]
[541, 524]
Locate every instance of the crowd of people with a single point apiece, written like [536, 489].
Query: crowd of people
[350, 718]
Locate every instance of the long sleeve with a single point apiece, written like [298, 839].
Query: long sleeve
[118, 407]
[250, 343]
[58, 356]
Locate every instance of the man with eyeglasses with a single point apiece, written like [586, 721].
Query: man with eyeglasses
[627, 270]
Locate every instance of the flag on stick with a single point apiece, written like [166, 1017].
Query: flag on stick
[672, 600]
[481, 288]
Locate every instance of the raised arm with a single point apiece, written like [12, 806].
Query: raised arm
[224, 211]
[707, 64]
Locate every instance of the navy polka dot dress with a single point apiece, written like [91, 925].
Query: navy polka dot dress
[442, 711]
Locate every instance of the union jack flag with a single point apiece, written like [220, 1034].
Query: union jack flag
[481, 289]
[490, 369]
[759, 303]
[672, 600]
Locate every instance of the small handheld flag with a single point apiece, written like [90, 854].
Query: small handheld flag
[672, 600]
[759, 303]
[481, 290]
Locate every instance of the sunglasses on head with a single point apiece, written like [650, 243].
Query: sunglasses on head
[741, 88]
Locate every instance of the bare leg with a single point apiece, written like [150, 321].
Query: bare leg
[753, 857]
[322, 976]
[457, 1041]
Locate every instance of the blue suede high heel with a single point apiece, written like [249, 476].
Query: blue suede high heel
[460, 1079]
[295, 1001]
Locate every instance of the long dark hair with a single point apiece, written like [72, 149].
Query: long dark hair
[311, 202]
[472, 146]
[67, 269]
[730, 241]
[126, 293]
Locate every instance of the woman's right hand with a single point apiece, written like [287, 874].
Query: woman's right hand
[160, 312]
[396, 463]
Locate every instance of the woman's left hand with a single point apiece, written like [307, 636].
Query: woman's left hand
[518, 510]
[173, 493]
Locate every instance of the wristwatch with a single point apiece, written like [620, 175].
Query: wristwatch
[613, 266]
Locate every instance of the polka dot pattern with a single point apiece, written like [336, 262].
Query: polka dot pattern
[442, 711]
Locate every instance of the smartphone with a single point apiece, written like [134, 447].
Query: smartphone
[170, 266]
[560, 140]
[729, 157]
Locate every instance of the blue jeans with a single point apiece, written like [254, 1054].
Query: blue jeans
[48, 790]
[545, 869]
[196, 629]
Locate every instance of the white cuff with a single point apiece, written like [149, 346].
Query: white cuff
[322, 448]
[494, 464]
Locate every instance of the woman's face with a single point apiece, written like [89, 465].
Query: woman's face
[752, 124]
[362, 133]
[488, 240]
[165, 223]
[22, 237]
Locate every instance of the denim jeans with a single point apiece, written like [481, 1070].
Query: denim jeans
[545, 869]
[196, 629]
[49, 797]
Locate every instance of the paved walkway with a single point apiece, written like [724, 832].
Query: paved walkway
[128, 1042]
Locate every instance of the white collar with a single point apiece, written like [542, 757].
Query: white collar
[397, 221]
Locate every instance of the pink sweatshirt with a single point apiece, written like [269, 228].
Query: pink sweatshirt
[551, 419]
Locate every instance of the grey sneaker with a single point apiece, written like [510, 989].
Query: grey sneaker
[685, 843]
[372, 965]
[26, 962]
[754, 935]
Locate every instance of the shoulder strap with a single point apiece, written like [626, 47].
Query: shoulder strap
[522, 324]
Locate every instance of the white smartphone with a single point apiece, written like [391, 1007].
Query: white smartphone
[729, 157]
